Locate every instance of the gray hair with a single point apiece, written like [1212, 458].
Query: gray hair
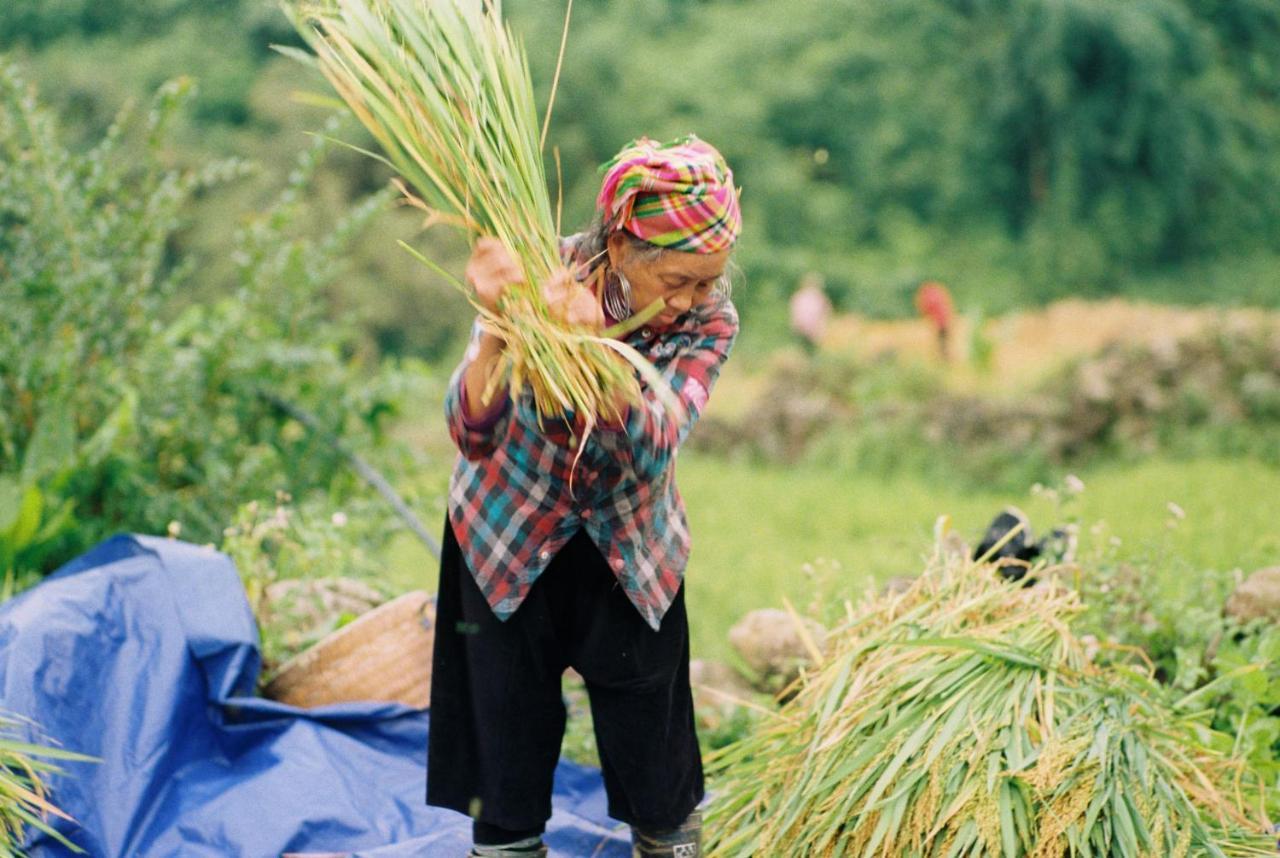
[593, 242]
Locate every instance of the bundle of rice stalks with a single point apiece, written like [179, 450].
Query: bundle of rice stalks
[962, 718]
[444, 88]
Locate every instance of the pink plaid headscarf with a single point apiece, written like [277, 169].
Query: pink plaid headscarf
[678, 195]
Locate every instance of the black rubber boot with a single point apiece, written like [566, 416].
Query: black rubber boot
[529, 848]
[682, 842]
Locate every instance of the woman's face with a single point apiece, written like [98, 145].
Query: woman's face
[681, 279]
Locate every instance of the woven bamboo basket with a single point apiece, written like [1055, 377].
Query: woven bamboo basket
[384, 654]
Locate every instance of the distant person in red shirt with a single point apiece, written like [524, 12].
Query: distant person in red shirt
[934, 303]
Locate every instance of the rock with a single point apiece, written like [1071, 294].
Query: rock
[308, 609]
[1093, 382]
[329, 595]
[716, 685]
[770, 644]
[1257, 597]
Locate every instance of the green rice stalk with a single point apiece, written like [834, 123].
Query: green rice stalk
[443, 86]
[961, 718]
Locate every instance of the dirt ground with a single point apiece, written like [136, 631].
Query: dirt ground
[1024, 346]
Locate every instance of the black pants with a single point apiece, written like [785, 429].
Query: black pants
[497, 714]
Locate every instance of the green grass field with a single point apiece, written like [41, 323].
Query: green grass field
[757, 529]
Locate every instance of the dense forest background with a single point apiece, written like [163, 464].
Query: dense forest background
[1018, 151]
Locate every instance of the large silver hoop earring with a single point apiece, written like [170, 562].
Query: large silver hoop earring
[617, 297]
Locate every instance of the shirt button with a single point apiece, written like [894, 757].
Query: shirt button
[618, 564]
[545, 556]
[586, 513]
[646, 333]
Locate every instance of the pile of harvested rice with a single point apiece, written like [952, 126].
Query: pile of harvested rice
[962, 718]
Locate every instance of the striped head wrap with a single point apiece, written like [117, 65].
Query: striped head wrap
[678, 195]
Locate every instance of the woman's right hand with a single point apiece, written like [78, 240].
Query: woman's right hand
[490, 270]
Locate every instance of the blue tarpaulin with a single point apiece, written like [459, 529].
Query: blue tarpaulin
[143, 653]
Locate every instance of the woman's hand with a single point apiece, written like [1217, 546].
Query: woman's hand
[573, 304]
[490, 270]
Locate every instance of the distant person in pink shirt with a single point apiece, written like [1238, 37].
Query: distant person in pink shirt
[810, 311]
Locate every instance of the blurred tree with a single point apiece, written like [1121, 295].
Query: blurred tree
[1019, 150]
[1103, 136]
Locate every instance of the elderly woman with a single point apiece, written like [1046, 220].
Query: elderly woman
[538, 575]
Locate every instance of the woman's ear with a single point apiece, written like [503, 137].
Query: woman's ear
[618, 247]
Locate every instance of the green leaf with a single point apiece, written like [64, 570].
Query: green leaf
[117, 426]
[1008, 836]
[302, 57]
[51, 450]
[1269, 646]
[24, 529]
[10, 498]
[10, 746]
[55, 523]
[39, 824]
[1251, 687]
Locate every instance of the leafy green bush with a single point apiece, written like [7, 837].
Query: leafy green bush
[126, 406]
[1223, 673]
[1226, 672]
[334, 550]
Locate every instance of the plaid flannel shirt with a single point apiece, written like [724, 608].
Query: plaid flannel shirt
[509, 496]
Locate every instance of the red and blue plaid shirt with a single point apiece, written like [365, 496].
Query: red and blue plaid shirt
[509, 498]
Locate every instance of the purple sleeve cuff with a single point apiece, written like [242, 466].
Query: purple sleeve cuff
[489, 417]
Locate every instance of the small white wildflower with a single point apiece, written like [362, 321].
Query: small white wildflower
[339, 519]
[1176, 511]
[1073, 484]
[175, 528]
